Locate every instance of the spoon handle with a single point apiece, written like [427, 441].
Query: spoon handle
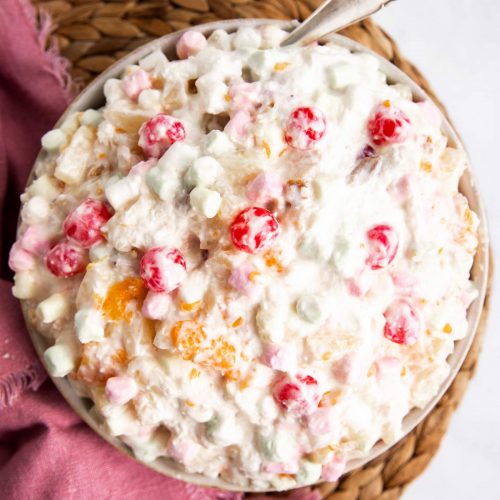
[332, 16]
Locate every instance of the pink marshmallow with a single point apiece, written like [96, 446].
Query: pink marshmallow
[342, 369]
[387, 366]
[281, 468]
[333, 470]
[190, 43]
[35, 240]
[237, 126]
[280, 357]
[244, 96]
[239, 279]
[134, 83]
[120, 390]
[264, 187]
[155, 305]
[142, 166]
[404, 281]
[20, 259]
[320, 422]
[360, 285]
[182, 449]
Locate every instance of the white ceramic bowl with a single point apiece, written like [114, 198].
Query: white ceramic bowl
[92, 97]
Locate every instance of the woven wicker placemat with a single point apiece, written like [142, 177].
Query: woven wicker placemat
[92, 34]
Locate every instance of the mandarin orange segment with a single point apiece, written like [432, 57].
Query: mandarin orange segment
[222, 355]
[120, 295]
[187, 336]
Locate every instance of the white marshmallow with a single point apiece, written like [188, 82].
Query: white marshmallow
[212, 93]
[99, 252]
[220, 39]
[122, 192]
[156, 62]
[24, 285]
[343, 74]
[217, 143]
[53, 308]
[91, 117]
[205, 201]
[59, 360]
[35, 210]
[163, 183]
[270, 320]
[247, 38]
[89, 325]
[309, 472]
[178, 157]
[150, 99]
[44, 186]
[203, 172]
[193, 287]
[53, 140]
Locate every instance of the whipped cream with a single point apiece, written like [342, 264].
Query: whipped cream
[274, 267]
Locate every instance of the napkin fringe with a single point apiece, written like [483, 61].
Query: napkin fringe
[57, 65]
[14, 384]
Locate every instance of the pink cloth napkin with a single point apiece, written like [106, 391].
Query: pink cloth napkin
[46, 451]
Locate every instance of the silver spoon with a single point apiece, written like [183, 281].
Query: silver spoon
[332, 16]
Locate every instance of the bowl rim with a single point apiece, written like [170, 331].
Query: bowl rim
[468, 186]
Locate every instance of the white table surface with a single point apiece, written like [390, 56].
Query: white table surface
[456, 44]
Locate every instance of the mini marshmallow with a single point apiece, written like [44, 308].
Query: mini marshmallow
[193, 287]
[203, 172]
[310, 309]
[35, 240]
[155, 305]
[20, 259]
[99, 252]
[220, 39]
[89, 325]
[122, 192]
[282, 357]
[150, 99]
[217, 143]
[163, 183]
[120, 390]
[278, 447]
[272, 36]
[113, 91]
[178, 157]
[240, 280]
[45, 186]
[205, 201]
[247, 38]
[332, 470]
[59, 360]
[24, 285]
[53, 308]
[270, 321]
[309, 472]
[237, 127]
[212, 93]
[155, 63]
[343, 74]
[135, 82]
[53, 140]
[35, 210]
[91, 117]
[264, 187]
[190, 43]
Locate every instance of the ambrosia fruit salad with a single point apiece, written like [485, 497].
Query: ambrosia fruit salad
[254, 260]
